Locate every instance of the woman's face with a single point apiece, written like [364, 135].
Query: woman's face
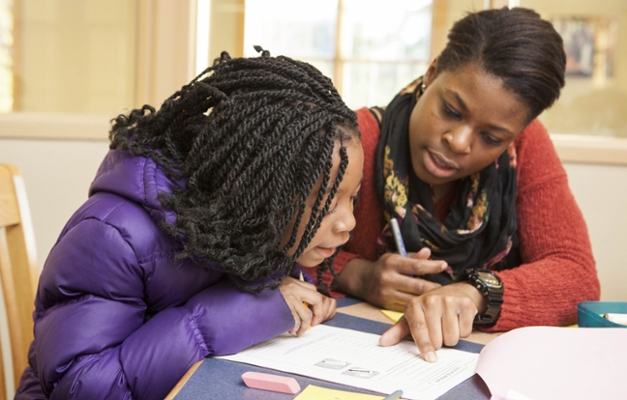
[463, 121]
[335, 228]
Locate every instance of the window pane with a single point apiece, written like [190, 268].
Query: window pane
[326, 67]
[293, 28]
[594, 100]
[6, 61]
[400, 30]
[75, 56]
[375, 84]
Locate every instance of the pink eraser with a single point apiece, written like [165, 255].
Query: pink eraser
[276, 383]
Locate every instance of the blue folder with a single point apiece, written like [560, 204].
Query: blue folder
[222, 379]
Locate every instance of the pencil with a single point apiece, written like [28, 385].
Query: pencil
[302, 279]
[394, 396]
[400, 245]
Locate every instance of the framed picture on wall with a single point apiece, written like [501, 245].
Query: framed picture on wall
[589, 43]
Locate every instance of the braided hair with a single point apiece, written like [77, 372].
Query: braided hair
[251, 138]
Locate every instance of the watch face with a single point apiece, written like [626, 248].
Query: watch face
[489, 279]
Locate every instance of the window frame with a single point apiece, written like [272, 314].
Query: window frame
[167, 28]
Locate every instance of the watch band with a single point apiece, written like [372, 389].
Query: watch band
[491, 287]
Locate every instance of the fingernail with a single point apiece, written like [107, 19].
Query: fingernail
[431, 357]
[444, 265]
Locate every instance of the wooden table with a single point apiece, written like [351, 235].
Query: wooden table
[361, 310]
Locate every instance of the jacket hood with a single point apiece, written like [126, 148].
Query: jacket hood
[138, 179]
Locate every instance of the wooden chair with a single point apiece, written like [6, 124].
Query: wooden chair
[18, 279]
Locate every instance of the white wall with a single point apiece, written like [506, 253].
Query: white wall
[601, 192]
[58, 173]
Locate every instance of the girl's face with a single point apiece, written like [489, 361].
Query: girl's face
[463, 121]
[336, 225]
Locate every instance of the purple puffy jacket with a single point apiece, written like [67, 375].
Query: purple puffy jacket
[115, 317]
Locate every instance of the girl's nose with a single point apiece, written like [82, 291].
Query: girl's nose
[346, 221]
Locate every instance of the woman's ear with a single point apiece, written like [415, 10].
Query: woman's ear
[431, 73]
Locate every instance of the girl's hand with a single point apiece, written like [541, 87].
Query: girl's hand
[391, 281]
[318, 307]
[441, 316]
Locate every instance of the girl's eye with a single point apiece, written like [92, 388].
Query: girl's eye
[331, 210]
[490, 139]
[449, 111]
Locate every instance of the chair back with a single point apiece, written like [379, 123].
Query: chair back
[18, 279]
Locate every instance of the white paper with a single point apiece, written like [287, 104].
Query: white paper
[355, 359]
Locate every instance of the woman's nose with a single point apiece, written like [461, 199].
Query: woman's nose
[459, 139]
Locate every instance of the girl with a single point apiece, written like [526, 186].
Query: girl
[459, 159]
[197, 212]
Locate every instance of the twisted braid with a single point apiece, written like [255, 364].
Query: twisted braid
[251, 137]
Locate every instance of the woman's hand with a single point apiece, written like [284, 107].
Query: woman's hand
[318, 309]
[391, 281]
[441, 316]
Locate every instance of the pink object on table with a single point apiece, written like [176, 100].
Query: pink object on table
[276, 383]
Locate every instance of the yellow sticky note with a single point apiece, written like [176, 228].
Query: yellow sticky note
[393, 315]
[312, 392]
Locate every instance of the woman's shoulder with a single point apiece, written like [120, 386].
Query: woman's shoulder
[534, 141]
[535, 130]
[536, 155]
[369, 127]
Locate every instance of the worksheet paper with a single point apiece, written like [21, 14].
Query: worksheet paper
[355, 359]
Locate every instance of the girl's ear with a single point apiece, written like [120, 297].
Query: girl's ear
[430, 74]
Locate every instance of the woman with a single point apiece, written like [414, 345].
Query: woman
[460, 161]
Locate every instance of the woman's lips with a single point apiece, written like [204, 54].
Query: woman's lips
[438, 165]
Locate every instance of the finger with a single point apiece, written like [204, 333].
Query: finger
[450, 326]
[410, 266]
[416, 285]
[325, 310]
[422, 254]
[466, 319]
[303, 319]
[421, 332]
[425, 267]
[394, 334]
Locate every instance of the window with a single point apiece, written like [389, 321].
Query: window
[6, 60]
[369, 50]
[594, 100]
[93, 57]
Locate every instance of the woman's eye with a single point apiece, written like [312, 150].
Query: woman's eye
[355, 199]
[490, 139]
[449, 111]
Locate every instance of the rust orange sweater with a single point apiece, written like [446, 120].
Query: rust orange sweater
[558, 269]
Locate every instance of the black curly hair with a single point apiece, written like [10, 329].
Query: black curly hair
[251, 137]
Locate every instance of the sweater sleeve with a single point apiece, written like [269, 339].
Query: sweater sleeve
[558, 269]
[96, 339]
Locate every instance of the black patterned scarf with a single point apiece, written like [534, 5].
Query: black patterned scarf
[479, 231]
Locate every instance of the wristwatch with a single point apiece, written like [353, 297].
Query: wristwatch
[491, 287]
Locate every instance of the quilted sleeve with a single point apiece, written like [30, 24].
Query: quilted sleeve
[96, 339]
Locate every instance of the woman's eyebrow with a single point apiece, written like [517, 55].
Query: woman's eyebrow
[461, 103]
[463, 106]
